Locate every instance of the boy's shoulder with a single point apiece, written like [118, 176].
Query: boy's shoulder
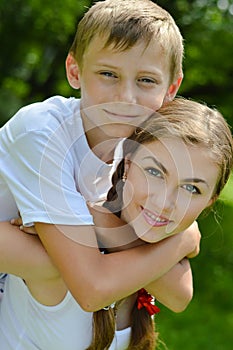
[45, 115]
[54, 104]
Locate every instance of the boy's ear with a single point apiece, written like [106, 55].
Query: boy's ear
[72, 72]
[172, 90]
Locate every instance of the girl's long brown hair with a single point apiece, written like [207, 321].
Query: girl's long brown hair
[143, 334]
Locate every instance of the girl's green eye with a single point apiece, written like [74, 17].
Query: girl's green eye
[192, 189]
[154, 172]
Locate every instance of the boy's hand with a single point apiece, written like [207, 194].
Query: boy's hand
[27, 229]
[195, 232]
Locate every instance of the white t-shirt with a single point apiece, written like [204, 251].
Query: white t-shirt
[46, 163]
[35, 326]
[46, 171]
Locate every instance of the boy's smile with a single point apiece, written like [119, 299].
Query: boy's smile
[120, 89]
[139, 75]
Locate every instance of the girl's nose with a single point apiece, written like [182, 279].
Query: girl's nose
[164, 200]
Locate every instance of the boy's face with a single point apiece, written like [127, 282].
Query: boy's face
[125, 87]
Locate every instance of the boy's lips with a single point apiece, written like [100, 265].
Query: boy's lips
[123, 112]
[154, 219]
[120, 116]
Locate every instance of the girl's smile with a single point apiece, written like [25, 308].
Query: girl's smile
[168, 185]
[154, 219]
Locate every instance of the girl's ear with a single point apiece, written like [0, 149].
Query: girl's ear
[72, 72]
[212, 201]
[127, 163]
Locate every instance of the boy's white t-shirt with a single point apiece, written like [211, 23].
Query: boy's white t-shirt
[47, 167]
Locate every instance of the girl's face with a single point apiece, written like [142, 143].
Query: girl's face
[168, 185]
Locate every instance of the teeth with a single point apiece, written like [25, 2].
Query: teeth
[155, 218]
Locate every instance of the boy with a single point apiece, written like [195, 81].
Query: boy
[127, 60]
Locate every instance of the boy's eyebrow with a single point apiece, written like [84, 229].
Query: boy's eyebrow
[144, 71]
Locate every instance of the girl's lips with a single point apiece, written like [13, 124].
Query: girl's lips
[154, 219]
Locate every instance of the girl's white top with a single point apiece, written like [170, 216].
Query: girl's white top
[25, 324]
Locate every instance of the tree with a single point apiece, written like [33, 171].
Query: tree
[35, 40]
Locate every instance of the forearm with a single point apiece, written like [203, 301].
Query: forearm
[112, 232]
[175, 288]
[97, 280]
[23, 255]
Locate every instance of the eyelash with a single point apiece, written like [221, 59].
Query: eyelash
[152, 172]
[197, 191]
[157, 173]
[142, 80]
[108, 74]
[147, 81]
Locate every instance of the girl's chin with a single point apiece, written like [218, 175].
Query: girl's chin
[152, 238]
[155, 237]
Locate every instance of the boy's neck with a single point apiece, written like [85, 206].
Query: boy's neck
[102, 145]
[105, 150]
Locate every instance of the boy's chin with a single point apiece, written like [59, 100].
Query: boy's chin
[118, 130]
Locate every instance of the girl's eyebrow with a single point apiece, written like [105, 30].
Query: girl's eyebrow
[196, 180]
[160, 165]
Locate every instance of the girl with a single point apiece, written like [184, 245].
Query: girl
[173, 167]
[159, 193]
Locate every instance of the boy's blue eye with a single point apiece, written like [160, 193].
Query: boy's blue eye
[147, 80]
[192, 189]
[108, 74]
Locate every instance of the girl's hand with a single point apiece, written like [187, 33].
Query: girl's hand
[27, 229]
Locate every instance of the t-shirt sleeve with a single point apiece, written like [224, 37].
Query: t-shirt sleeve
[38, 168]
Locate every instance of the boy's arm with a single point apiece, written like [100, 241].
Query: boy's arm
[97, 280]
[23, 255]
[175, 288]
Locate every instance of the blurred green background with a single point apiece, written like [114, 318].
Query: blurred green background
[35, 36]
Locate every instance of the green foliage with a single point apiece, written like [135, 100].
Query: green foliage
[35, 40]
[207, 27]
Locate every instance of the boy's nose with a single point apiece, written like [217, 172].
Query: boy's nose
[126, 92]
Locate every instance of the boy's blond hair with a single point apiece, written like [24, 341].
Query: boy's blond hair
[123, 23]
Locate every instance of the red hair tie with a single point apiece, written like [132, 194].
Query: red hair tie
[144, 299]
